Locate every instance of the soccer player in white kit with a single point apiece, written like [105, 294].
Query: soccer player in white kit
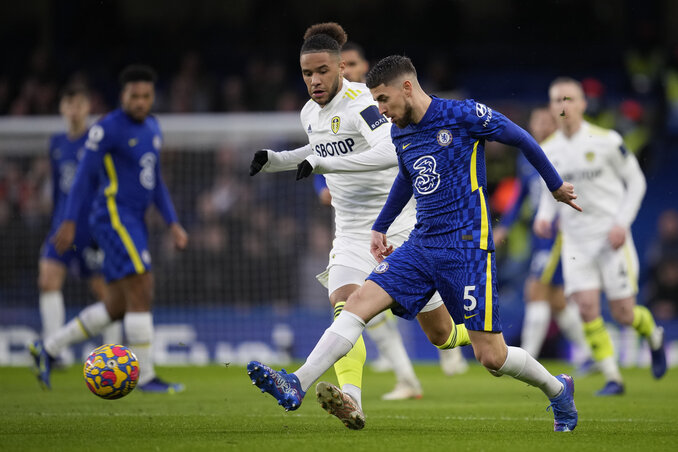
[350, 141]
[598, 251]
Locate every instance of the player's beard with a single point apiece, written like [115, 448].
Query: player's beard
[331, 92]
[406, 119]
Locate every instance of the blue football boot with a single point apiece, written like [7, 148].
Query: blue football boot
[659, 355]
[564, 412]
[611, 388]
[42, 363]
[283, 386]
[160, 386]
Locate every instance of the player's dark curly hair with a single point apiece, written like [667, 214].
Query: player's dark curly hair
[389, 69]
[137, 73]
[324, 37]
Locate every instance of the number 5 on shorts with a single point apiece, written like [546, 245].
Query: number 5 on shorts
[471, 298]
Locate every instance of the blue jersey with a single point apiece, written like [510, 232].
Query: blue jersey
[443, 156]
[64, 155]
[121, 164]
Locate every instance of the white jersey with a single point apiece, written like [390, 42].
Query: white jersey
[606, 177]
[350, 142]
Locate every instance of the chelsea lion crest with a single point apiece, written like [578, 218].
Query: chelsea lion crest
[336, 122]
[381, 268]
[444, 137]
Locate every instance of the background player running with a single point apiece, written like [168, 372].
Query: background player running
[543, 290]
[598, 249]
[440, 145]
[122, 165]
[84, 259]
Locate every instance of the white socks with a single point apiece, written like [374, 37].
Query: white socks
[139, 330]
[52, 311]
[570, 324]
[610, 369]
[88, 323]
[535, 326]
[112, 334]
[337, 340]
[521, 366]
[389, 342]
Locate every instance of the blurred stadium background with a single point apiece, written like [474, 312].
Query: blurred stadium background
[230, 84]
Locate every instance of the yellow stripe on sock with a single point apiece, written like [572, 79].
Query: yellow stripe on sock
[82, 327]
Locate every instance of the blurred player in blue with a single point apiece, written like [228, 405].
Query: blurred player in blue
[440, 146]
[121, 165]
[544, 295]
[84, 259]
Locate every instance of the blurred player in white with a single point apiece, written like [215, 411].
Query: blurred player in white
[544, 295]
[598, 249]
[343, 123]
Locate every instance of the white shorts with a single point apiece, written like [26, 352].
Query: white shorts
[351, 263]
[588, 266]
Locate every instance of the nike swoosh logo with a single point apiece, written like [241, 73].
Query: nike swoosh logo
[466, 317]
[405, 146]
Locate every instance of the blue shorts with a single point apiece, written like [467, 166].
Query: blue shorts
[125, 244]
[545, 264]
[83, 260]
[465, 278]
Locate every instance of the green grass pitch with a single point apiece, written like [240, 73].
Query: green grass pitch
[221, 410]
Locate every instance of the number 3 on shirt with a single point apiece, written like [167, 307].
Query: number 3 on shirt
[428, 180]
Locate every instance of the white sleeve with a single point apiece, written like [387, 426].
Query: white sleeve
[381, 156]
[285, 160]
[548, 206]
[633, 177]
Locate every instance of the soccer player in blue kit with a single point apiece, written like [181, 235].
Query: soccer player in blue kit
[84, 260]
[121, 164]
[440, 152]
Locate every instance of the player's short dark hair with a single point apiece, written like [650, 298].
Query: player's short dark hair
[137, 73]
[562, 80]
[324, 37]
[350, 45]
[72, 90]
[389, 69]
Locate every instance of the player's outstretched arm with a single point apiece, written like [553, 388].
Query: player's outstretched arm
[268, 161]
[565, 194]
[380, 157]
[179, 236]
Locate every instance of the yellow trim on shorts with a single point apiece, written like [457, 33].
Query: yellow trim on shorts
[118, 227]
[488, 294]
[484, 228]
[553, 261]
[629, 263]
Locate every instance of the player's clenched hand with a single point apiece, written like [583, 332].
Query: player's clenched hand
[565, 193]
[542, 228]
[179, 236]
[64, 236]
[258, 162]
[616, 236]
[304, 169]
[379, 246]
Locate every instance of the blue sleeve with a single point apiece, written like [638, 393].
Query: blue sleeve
[162, 200]
[511, 215]
[398, 197]
[319, 183]
[516, 136]
[480, 120]
[86, 177]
